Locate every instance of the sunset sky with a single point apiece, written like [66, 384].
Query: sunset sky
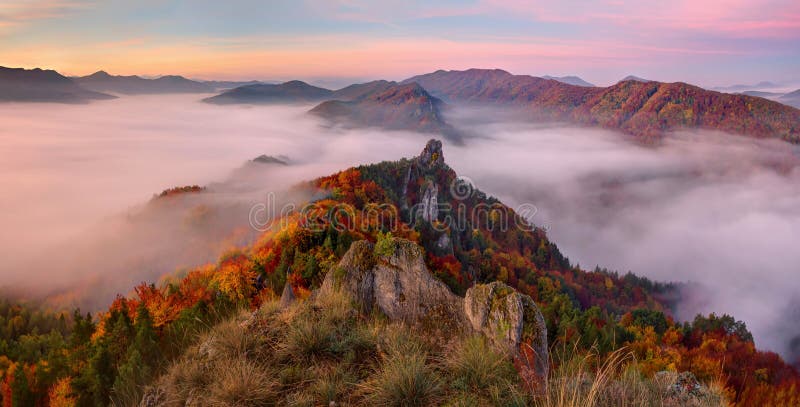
[706, 42]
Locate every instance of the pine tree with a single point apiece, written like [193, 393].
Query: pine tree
[312, 268]
[21, 394]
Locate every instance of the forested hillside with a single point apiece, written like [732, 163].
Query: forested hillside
[467, 238]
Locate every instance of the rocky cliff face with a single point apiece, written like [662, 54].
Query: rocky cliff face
[398, 283]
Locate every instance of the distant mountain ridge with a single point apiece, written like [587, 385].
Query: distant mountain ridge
[570, 80]
[287, 92]
[646, 110]
[742, 87]
[38, 85]
[634, 78]
[102, 81]
[791, 99]
[225, 85]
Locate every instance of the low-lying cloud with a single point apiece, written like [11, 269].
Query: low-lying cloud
[718, 210]
[714, 209]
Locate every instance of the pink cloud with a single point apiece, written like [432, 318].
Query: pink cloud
[731, 18]
[22, 10]
[341, 55]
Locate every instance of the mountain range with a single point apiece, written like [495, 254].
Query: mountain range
[647, 110]
[101, 81]
[38, 85]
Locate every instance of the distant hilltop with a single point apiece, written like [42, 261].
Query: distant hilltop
[38, 85]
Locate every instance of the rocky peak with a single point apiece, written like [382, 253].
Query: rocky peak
[432, 155]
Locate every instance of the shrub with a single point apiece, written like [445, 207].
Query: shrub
[385, 246]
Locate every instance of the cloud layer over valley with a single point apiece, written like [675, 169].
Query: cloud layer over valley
[718, 210]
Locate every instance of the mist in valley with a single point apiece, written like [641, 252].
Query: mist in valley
[78, 181]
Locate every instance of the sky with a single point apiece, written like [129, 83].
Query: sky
[708, 42]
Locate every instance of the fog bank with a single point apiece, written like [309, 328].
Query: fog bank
[714, 209]
[719, 210]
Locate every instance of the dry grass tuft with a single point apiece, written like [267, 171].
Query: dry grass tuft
[404, 380]
[241, 382]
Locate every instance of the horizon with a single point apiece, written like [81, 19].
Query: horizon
[334, 83]
[710, 45]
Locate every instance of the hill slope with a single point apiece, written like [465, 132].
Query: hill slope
[287, 92]
[361, 90]
[390, 106]
[644, 109]
[37, 85]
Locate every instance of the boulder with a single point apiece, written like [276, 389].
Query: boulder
[397, 283]
[510, 319]
[354, 275]
[406, 290]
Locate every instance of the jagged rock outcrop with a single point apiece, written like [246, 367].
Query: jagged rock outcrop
[397, 282]
[509, 318]
[444, 243]
[429, 206]
[431, 157]
[432, 154]
[287, 297]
